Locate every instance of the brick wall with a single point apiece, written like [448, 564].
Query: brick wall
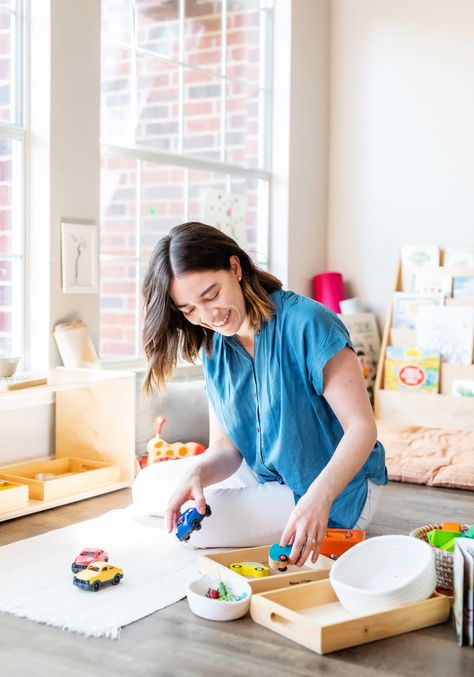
[169, 194]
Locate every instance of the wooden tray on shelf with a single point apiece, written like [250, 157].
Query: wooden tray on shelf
[312, 616]
[217, 564]
[12, 496]
[72, 475]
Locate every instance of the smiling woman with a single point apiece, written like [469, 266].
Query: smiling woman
[287, 400]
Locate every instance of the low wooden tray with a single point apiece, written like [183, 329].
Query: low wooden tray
[12, 496]
[217, 564]
[72, 475]
[312, 616]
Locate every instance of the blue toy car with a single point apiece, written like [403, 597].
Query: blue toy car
[190, 521]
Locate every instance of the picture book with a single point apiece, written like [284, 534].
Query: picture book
[407, 304]
[462, 388]
[458, 257]
[449, 330]
[435, 281]
[411, 369]
[415, 258]
[464, 590]
[363, 331]
[463, 287]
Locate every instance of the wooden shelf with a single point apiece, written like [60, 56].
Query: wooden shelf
[418, 408]
[94, 419]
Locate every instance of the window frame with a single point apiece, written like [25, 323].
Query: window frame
[111, 147]
[16, 132]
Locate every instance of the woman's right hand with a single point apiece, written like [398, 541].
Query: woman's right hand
[190, 488]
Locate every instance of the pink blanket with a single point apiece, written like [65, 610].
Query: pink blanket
[434, 456]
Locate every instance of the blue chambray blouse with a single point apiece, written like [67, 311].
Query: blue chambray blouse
[272, 406]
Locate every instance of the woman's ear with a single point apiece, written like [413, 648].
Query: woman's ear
[235, 266]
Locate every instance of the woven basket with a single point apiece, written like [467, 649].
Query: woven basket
[443, 559]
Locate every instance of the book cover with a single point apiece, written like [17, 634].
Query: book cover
[415, 258]
[435, 281]
[406, 306]
[466, 590]
[463, 287]
[456, 256]
[411, 369]
[449, 330]
[462, 388]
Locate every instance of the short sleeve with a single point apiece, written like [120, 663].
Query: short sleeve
[324, 335]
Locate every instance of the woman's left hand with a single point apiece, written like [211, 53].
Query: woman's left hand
[306, 528]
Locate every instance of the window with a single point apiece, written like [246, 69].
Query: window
[12, 143]
[186, 106]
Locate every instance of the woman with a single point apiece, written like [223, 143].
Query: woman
[284, 386]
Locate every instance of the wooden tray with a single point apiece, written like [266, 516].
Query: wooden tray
[72, 475]
[12, 496]
[217, 564]
[312, 616]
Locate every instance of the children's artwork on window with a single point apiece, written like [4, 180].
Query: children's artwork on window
[227, 211]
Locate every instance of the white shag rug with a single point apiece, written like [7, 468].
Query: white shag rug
[36, 576]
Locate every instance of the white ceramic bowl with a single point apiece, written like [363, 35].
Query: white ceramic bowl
[215, 609]
[382, 573]
[8, 365]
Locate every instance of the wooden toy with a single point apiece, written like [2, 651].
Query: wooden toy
[334, 544]
[159, 450]
[450, 526]
[254, 569]
[469, 533]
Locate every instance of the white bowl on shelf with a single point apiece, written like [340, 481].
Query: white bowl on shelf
[382, 573]
[216, 609]
[8, 366]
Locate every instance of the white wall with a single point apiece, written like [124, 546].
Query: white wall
[300, 141]
[401, 134]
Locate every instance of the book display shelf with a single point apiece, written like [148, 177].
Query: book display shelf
[442, 407]
[93, 414]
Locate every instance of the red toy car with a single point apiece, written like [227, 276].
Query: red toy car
[86, 557]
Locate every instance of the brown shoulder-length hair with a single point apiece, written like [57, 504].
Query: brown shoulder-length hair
[166, 332]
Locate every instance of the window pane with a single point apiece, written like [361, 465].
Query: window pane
[158, 109]
[118, 296]
[163, 203]
[245, 41]
[116, 20]
[200, 181]
[202, 115]
[118, 207]
[7, 95]
[11, 305]
[158, 27]
[116, 97]
[203, 34]
[256, 192]
[10, 198]
[244, 125]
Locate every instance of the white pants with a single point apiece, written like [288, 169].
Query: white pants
[245, 512]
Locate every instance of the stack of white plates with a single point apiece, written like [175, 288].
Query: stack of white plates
[384, 572]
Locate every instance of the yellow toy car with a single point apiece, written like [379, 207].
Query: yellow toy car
[97, 575]
[254, 569]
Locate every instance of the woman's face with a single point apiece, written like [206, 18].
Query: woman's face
[211, 298]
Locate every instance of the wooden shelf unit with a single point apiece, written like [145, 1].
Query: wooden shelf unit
[94, 412]
[441, 410]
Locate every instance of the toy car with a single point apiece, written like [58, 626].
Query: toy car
[278, 557]
[97, 575]
[335, 543]
[86, 557]
[190, 521]
[254, 569]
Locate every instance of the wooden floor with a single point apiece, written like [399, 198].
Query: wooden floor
[173, 642]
